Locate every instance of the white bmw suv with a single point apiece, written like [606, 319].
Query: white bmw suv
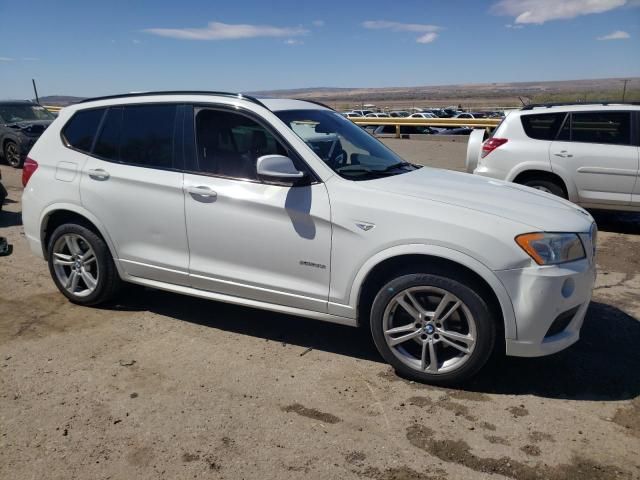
[286, 205]
[587, 153]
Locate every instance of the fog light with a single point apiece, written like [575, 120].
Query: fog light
[568, 287]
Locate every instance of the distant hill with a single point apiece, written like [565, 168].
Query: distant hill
[59, 100]
[470, 95]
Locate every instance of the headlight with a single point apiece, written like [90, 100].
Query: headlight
[552, 248]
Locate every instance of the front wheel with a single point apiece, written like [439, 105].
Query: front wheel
[81, 265]
[12, 154]
[432, 328]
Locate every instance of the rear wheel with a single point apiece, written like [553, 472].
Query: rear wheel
[432, 328]
[12, 154]
[81, 265]
[546, 185]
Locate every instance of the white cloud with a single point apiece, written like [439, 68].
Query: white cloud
[514, 27]
[541, 11]
[400, 27]
[318, 23]
[6, 59]
[429, 32]
[293, 41]
[427, 37]
[226, 31]
[617, 35]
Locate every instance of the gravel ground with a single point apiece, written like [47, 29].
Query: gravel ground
[164, 386]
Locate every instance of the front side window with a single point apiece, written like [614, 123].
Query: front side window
[229, 144]
[138, 135]
[543, 126]
[80, 131]
[601, 127]
[350, 151]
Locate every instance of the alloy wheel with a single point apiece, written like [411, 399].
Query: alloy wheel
[12, 155]
[75, 265]
[429, 329]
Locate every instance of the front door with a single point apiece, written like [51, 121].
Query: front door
[247, 238]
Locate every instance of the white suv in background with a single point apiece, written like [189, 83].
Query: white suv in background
[286, 205]
[587, 153]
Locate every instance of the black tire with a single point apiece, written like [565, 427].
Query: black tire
[485, 327]
[108, 281]
[11, 154]
[547, 186]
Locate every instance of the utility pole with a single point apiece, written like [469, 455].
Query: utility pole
[35, 90]
[624, 88]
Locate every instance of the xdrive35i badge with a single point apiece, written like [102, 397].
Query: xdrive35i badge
[312, 264]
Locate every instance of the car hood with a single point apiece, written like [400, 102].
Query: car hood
[539, 210]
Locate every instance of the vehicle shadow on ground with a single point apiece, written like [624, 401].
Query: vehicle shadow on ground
[277, 327]
[617, 222]
[603, 365]
[10, 219]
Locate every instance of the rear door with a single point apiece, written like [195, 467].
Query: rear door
[595, 150]
[132, 182]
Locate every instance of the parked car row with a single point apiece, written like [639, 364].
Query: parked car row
[422, 113]
[417, 130]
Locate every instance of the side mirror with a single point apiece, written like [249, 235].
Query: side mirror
[279, 168]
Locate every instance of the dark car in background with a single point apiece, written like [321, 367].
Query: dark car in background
[3, 192]
[21, 124]
[420, 130]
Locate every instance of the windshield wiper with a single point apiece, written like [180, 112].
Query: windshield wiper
[394, 166]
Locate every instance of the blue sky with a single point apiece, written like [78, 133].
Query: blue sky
[90, 48]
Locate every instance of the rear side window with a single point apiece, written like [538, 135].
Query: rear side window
[80, 131]
[543, 126]
[601, 127]
[139, 135]
[108, 144]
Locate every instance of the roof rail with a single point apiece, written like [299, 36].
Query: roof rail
[178, 92]
[562, 104]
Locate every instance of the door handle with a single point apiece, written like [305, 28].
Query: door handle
[563, 154]
[98, 174]
[201, 191]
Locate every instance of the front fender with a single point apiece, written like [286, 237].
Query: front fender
[448, 254]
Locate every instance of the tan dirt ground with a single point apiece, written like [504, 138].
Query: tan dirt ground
[164, 386]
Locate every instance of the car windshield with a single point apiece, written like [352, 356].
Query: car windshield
[350, 151]
[21, 113]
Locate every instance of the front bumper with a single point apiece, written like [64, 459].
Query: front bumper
[550, 303]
